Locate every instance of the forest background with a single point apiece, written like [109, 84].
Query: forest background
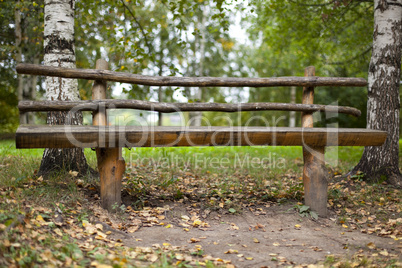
[199, 38]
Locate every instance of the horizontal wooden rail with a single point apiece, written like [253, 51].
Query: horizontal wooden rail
[133, 136]
[40, 106]
[92, 74]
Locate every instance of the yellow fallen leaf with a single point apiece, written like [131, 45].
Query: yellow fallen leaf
[345, 226]
[276, 244]
[168, 226]
[197, 223]
[100, 235]
[58, 232]
[194, 240]
[249, 258]
[256, 240]
[297, 226]
[232, 251]
[40, 218]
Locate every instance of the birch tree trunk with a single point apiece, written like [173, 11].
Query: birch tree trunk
[292, 114]
[60, 51]
[383, 105]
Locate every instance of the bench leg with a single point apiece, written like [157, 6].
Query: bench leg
[111, 167]
[315, 180]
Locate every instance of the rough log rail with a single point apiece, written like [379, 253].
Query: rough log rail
[41, 106]
[93, 74]
[68, 136]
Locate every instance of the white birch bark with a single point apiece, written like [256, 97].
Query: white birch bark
[60, 51]
[292, 114]
[59, 48]
[383, 105]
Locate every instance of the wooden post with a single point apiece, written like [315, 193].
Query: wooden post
[111, 164]
[314, 172]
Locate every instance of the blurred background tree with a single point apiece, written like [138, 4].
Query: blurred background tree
[201, 38]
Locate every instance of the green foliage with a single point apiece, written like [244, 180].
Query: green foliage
[304, 211]
[165, 38]
[31, 13]
[333, 36]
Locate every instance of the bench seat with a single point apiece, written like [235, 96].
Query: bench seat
[45, 136]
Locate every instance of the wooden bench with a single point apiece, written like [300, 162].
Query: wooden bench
[109, 140]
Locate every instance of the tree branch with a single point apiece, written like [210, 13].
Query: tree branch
[139, 25]
[351, 59]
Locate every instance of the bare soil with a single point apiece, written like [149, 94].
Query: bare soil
[261, 237]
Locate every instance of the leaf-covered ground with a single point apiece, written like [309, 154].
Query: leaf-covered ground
[198, 220]
[184, 216]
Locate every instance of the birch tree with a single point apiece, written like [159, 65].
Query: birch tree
[60, 51]
[383, 105]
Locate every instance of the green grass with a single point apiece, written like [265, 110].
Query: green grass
[224, 159]
[260, 162]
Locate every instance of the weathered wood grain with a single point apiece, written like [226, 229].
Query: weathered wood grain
[314, 171]
[105, 75]
[33, 136]
[111, 164]
[163, 107]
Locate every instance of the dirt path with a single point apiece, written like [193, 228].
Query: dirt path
[267, 237]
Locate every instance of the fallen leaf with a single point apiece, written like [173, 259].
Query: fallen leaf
[73, 173]
[384, 253]
[232, 251]
[58, 232]
[39, 218]
[16, 245]
[194, 240]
